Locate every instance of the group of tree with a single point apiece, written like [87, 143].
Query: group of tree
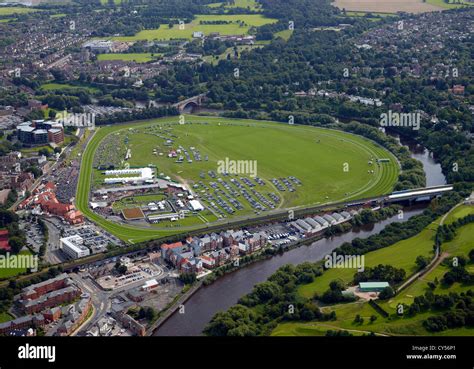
[278, 301]
[381, 272]
[457, 310]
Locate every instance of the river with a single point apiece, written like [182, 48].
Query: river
[226, 291]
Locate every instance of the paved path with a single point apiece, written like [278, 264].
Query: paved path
[434, 262]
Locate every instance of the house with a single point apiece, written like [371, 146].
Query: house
[193, 265]
[166, 248]
[53, 314]
[208, 262]
[4, 245]
[458, 89]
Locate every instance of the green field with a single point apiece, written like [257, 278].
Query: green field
[400, 255]
[138, 57]
[214, 59]
[65, 86]
[234, 28]
[247, 4]
[10, 10]
[373, 14]
[10, 272]
[5, 317]
[105, 2]
[451, 4]
[460, 245]
[460, 212]
[315, 156]
[285, 35]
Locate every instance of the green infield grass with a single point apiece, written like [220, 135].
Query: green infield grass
[332, 165]
[239, 24]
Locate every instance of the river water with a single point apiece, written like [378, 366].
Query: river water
[226, 291]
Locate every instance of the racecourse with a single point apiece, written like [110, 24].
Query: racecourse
[316, 156]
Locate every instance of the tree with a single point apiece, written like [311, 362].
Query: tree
[266, 291]
[373, 318]
[227, 323]
[336, 285]
[421, 262]
[386, 293]
[7, 217]
[358, 319]
[147, 313]
[120, 268]
[16, 244]
[187, 278]
[44, 152]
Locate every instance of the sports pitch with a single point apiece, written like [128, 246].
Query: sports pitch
[185, 31]
[331, 165]
[136, 57]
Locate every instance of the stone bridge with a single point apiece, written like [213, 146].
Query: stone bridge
[194, 101]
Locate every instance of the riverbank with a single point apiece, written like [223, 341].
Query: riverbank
[226, 291]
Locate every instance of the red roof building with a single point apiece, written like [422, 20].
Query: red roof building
[45, 197]
[166, 247]
[4, 245]
[458, 89]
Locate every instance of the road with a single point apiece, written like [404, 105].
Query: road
[64, 155]
[437, 259]
[53, 247]
[101, 299]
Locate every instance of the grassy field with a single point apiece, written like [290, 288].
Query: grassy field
[240, 141]
[5, 317]
[460, 245]
[285, 35]
[460, 212]
[214, 59]
[10, 10]
[64, 86]
[400, 255]
[247, 4]
[453, 4]
[9, 272]
[388, 6]
[315, 156]
[233, 28]
[138, 57]
[116, 2]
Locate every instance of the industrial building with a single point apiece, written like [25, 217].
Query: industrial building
[196, 205]
[373, 286]
[143, 175]
[40, 132]
[74, 247]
